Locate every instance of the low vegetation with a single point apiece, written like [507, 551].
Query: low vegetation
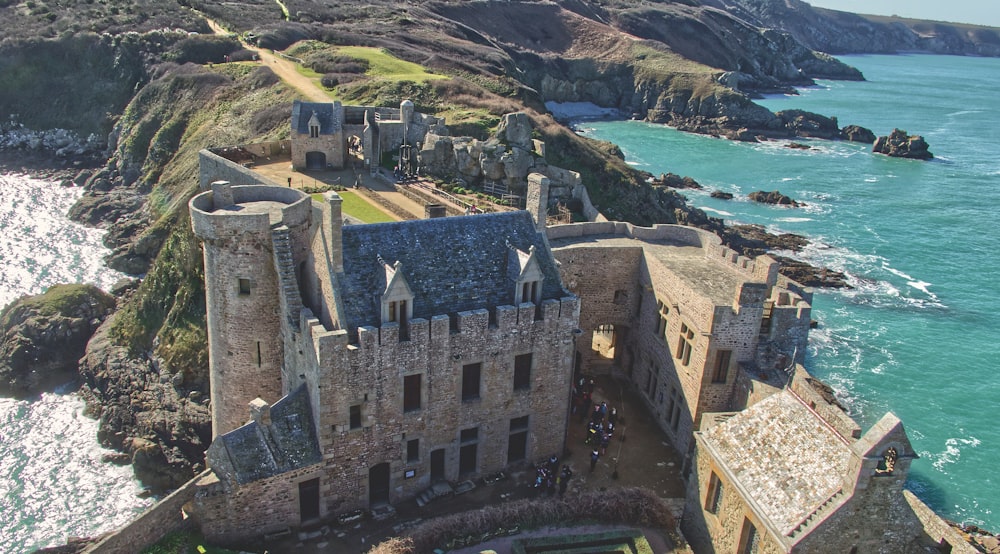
[184, 543]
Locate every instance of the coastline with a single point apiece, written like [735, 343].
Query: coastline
[749, 240]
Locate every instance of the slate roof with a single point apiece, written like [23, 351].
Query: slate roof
[255, 452]
[452, 264]
[783, 455]
[329, 121]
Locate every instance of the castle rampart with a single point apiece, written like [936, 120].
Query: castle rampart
[213, 167]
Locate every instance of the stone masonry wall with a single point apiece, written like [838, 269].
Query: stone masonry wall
[212, 167]
[251, 510]
[371, 374]
[606, 280]
[162, 518]
[721, 531]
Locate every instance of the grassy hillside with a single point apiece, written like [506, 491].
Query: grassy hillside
[196, 107]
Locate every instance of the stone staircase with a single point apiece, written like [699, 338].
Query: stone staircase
[818, 514]
[284, 264]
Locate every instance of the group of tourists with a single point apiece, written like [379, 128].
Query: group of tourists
[548, 477]
[600, 418]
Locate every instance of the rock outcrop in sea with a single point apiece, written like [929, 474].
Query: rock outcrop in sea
[898, 144]
[44, 336]
[773, 197]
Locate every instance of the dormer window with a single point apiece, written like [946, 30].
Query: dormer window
[314, 126]
[527, 276]
[529, 292]
[397, 299]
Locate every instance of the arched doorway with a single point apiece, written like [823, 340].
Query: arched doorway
[604, 341]
[355, 152]
[378, 485]
[315, 160]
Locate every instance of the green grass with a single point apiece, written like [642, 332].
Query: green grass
[358, 207]
[384, 65]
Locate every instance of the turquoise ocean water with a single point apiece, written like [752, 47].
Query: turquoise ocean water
[54, 483]
[919, 335]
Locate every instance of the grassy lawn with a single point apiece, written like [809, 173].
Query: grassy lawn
[358, 207]
[384, 65]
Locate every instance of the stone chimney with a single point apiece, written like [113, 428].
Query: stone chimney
[537, 202]
[260, 411]
[333, 223]
[222, 194]
[434, 210]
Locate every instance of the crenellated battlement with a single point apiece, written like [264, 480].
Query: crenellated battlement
[440, 330]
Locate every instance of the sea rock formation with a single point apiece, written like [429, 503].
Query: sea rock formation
[857, 133]
[773, 197]
[44, 336]
[898, 144]
[675, 181]
[801, 123]
[722, 195]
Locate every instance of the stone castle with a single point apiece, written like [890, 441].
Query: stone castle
[355, 366]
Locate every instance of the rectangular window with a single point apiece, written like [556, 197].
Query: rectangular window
[684, 345]
[412, 451]
[411, 393]
[749, 540]
[714, 498]
[468, 453]
[661, 329]
[356, 416]
[722, 359]
[517, 443]
[244, 287]
[469, 435]
[522, 372]
[392, 311]
[470, 381]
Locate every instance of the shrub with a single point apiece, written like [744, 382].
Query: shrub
[202, 49]
[633, 506]
[269, 119]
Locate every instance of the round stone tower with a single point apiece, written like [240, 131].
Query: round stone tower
[240, 227]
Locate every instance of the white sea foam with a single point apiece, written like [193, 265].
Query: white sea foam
[40, 247]
[952, 451]
[794, 219]
[55, 482]
[714, 211]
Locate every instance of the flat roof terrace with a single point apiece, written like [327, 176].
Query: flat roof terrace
[712, 279]
[269, 207]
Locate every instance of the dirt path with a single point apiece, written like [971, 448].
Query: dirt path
[287, 70]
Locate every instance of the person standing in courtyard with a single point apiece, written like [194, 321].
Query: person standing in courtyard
[594, 456]
[564, 477]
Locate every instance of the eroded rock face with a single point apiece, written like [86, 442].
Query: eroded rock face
[857, 133]
[44, 337]
[159, 420]
[901, 145]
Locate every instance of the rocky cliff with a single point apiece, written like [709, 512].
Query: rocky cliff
[838, 32]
